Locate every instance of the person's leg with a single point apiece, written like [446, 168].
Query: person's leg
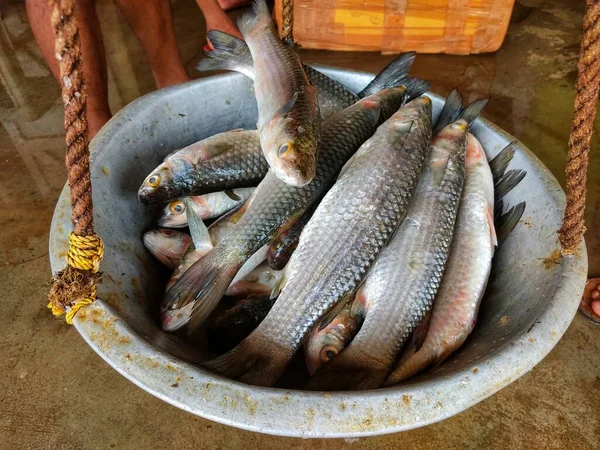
[92, 49]
[152, 24]
[216, 19]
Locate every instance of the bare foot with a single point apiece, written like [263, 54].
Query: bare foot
[229, 5]
[590, 303]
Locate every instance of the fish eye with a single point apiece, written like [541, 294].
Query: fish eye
[153, 181]
[177, 207]
[285, 148]
[328, 353]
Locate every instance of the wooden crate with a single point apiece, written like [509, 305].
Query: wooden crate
[427, 26]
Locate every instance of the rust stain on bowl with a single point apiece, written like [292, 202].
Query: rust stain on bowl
[503, 321]
[105, 171]
[406, 399]
[552, 260]
[475, 370]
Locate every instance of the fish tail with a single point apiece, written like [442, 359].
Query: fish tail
[258, 16]
[391, 76]
[199, 290]
[505, 223]
[410, 364]
[508, 182]
[252, 363]
[450, 111]
[500, 163]
[415, 87]
[470, 112]
[230, 53]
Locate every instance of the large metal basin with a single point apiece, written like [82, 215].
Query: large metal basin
[531, 299]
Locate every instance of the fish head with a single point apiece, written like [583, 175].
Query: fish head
[168, 246]
[173, 215]
[324, 345]
[290, 150]
[475, 153]
[448, 150]
[167, 180]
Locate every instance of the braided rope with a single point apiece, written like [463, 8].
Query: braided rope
[75, 286]
[586, 98]
[287, 27]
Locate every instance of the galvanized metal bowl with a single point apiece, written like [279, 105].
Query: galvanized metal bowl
[532, 295]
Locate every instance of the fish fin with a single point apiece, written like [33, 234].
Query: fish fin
[259, 15]
[498, 208]
[337, 308]
[232, 195]
[508, 182]
[500, 162]
[506, 222]
[279, 285]
[230, 53]
[391, 76]
[359, 305]
[450, 111]
[490, 219]
[198, 230]
[415, 87]
[285, 109]
[251, 363]
[202, 286]
[470, 112]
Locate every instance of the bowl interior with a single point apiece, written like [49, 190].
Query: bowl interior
[527, 270]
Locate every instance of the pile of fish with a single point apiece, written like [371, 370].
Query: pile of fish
[349, 225]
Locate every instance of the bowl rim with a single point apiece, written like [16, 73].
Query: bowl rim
[366, 413]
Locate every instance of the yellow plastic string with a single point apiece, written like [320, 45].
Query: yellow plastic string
[85, 253]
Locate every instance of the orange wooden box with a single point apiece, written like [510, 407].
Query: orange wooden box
[428, 26]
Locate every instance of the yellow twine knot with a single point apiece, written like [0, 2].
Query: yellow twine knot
[79, 279]
[85, 252]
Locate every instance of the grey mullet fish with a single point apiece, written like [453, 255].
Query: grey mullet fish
[339, 243]
[273, 207]
[289, 123]
[400, 287]
[231, 53]
[224, 161]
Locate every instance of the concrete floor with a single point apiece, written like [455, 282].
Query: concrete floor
[58, 394]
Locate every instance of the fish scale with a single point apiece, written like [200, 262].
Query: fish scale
[338, 244]
[275, 205]
[402, 284]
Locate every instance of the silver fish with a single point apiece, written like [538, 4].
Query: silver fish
[400, 288]
[232, 53]
[455, 308]
[208, 206]
[228, 160]
[168, 246]
[339, 243]
[289, 124]
[325, 342]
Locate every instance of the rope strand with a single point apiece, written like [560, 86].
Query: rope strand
[75, 286]
[586, 98]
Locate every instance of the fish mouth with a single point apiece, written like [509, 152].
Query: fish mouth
[158, 254]
[172, 320]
